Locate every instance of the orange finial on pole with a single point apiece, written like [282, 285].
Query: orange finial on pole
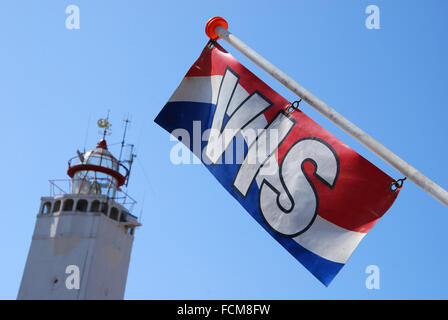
[212, 24]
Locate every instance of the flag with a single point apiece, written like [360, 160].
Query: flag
[312, 193]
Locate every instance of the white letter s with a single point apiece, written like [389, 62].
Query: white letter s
[292, 211]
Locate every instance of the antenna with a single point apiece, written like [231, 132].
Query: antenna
[126, 123]
[141, 209]
[87, 132]
[130, 161]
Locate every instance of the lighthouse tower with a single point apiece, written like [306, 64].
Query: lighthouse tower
[83, 235]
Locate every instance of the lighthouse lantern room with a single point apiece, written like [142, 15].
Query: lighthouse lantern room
[97, 172]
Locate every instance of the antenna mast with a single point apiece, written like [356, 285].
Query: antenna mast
[127, 121]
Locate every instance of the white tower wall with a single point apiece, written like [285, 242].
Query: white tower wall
[96, 240]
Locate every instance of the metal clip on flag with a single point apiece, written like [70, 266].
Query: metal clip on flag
[216, 28]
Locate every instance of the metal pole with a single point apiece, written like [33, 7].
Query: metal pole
[218, 26]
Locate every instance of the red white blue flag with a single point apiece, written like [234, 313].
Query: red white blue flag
[316, 196]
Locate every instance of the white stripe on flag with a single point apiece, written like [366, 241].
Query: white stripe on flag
[329, 240]
[197, 89]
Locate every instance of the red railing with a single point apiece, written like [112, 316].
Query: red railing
[102, 160]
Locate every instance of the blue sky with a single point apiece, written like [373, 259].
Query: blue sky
[197, 242]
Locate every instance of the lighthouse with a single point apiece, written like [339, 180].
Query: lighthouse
[84, 231]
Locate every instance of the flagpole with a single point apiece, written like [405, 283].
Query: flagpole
[217, 28]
